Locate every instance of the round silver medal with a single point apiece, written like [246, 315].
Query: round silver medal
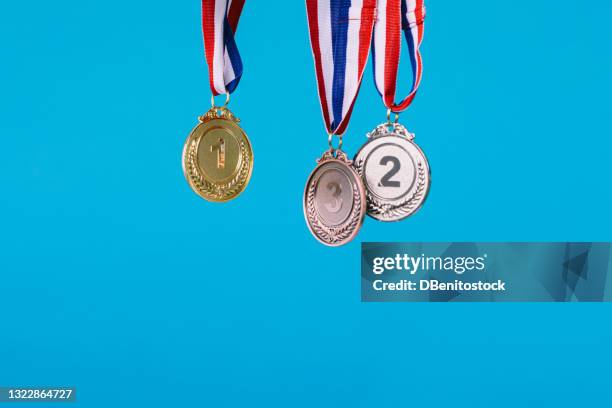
[334, 200]
[395, 173]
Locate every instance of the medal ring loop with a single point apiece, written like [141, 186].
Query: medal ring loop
[330, 141]
[212, 101]
[395, 121]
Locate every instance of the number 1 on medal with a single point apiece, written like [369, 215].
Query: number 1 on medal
[220, 148]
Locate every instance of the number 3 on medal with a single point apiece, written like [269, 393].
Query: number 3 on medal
[220, 148]
[395, 167]
[337, 205]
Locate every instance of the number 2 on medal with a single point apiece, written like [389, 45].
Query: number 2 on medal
[220, 148]
[386, 180]
[335, 189]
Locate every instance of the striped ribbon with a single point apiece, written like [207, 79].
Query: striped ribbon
[394, 16]
[219, 23]
[340, 36]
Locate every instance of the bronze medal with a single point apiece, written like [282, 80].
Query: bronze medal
[334, 200]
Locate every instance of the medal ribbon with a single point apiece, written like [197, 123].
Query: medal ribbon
[340, 36]
[393, 15]
[219, 23]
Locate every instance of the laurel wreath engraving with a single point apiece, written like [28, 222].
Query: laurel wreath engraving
[213, 190]
[402, 209]
[336, 234]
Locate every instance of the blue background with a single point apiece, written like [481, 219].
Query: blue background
[117, 279]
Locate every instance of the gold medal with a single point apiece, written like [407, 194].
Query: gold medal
[217, 157]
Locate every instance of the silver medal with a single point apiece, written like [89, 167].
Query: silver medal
[334, 200]
[395, 173]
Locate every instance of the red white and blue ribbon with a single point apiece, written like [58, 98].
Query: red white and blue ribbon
[340, 36]
[394, 16]
[219, 23]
